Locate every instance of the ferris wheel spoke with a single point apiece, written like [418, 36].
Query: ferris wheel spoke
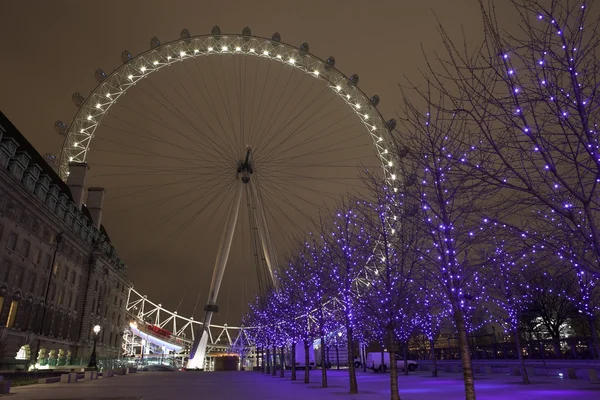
[324, 150]
[198, 111]
[172, 195]
[169, 236]
[144, 188]
[159, 140]
[210, 103]
[149, 115]
[240, 86]
[222, 190]
[305, 125]
[183, 118]
[279, 106]
[257, 127]
[153, 137]
[276, 197]
[253, 115]
[292, 117]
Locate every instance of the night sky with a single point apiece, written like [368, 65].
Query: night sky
[51, 49]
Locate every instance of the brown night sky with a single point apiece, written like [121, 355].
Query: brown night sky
[51, 49]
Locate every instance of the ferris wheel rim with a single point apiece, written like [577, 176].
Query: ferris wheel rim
[93, 119]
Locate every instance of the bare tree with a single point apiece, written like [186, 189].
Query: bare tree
[393, 266]
[432, 147]
[533, 96]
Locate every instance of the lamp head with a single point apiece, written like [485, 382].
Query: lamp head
[97, 329]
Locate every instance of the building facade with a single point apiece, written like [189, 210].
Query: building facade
[59, 273]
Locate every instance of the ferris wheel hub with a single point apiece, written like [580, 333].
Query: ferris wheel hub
[245, 167]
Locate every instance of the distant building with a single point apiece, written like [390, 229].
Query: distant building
[59, 273]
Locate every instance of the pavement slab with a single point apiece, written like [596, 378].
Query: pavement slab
[250, 385]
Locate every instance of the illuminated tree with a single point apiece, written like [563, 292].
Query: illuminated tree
[391, 301]
[510, 260]
[532, 95]
[349, 248]
[432, 147]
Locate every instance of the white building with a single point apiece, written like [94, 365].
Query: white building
[59, 273]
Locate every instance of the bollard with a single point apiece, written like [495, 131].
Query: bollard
[91, 375]
[486, 369]
[5, 387]
[591, 374]
[65, 378]
[568, 373]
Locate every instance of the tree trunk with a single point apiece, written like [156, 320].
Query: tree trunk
[520, 355]
[596, 344]
[363, 356]
[293, 361]
[405, 355]
[282, 361]
[268, 369]
[274, 370]
[394, 395]
[433, 357]
[323, 367]
[351, 369]
[306, 362]
[465, 354]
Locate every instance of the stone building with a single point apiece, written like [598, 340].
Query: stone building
[59, 273]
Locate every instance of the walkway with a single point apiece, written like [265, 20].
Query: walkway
[258, 386]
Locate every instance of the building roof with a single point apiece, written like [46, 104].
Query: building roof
[37, 158]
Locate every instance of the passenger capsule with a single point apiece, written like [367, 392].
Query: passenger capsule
[402, 151]
[374, 100]
[185, 34]
[60, 128]
[391, 124]
[126, 56]
[100, 75]
[77, 99]
[154, 42]
[411, 179]
[246, 32]
[304, 47]
[330, 61]
[215, 31]
[276, 37]
[354, 79]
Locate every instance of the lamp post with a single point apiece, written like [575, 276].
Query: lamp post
[337, 349]
[92, 364]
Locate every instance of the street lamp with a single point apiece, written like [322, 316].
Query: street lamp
[337, 349]
[92, 364]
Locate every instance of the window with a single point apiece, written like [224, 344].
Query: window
[1, 229]
[4, 270]
[61, 294]
[12, 314]
[69, 298]
[73, 277]
[56, 268]
[37, 256]
[18, 277]
[51, 291]
[96, 286]
[12, 241]
[25, 246]
[47, 261]
[74, 301]
[32, 283]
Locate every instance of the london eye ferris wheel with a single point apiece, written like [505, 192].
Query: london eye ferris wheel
[223, 149]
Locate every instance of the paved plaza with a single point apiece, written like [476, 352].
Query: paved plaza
[255, 386]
